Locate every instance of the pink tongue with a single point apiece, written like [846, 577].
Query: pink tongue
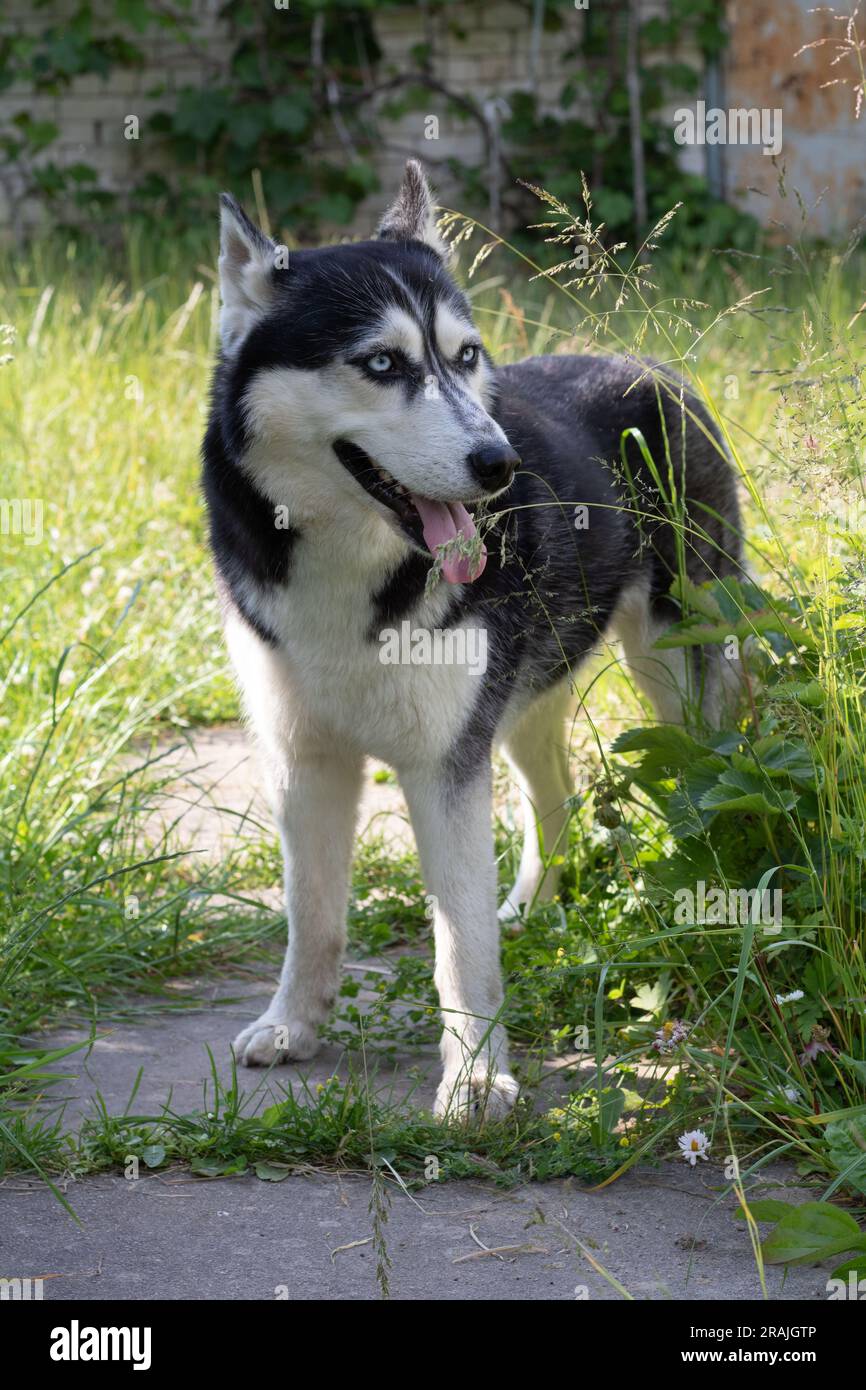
[442, 521]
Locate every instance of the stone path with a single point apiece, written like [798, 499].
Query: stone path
[310, 1237]
[663, 1233]
[219, 785]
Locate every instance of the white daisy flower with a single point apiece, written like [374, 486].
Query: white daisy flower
[694, 1145]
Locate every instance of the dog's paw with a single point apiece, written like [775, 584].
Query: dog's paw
[484, 1096]
[512, 918]
[266, 1042]
[510, 911]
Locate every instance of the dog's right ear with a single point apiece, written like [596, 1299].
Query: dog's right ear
[247, 270]
[411, 216]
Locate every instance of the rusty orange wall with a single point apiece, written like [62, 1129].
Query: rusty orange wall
[824, 145]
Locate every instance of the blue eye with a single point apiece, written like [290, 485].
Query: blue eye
[380, 362]
[469, 355]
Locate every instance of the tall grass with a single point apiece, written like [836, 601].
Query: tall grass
[109, 643]
[775, 1015]
[108, 640]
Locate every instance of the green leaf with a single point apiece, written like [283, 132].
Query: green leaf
[754, 802]
[218, 1167]
[290, 112]
[334, 207]
[766, 1209]
[272, 1172]
[135, 13]
[857, 1066]
[611, 1104]
[778, 755]
[248, 124]
[745, 791]
[698, 779]
[856, 1266]
[697, 635]
[668, 747]
[650, 998]
[812, 1231]
[808, 693]
[613, 206]
[200, 114]
[153, 1155]
[38, 134]
[697, 598]
[693, 635]
[846, 1141]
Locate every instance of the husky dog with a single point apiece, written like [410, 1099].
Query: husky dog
[357, 427]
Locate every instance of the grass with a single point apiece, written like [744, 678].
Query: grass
[110, 651]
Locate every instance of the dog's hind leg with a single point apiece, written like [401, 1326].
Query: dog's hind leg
[451, 817]
[537, 753]
[684, 684]
[314, 784]
[663, 676]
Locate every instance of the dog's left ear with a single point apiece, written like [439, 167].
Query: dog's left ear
[410, 217]
[247, 269]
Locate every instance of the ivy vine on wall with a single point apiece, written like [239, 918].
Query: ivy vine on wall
[307, 101]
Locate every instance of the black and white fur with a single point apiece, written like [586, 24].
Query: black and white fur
[312, 447]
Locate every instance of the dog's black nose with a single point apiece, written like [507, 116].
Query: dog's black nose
[493, 465]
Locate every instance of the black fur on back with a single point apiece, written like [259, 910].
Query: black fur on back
[552, 599]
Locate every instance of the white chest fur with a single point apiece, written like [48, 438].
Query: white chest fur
[401, 692]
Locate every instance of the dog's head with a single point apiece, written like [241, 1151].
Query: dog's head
[359, 378]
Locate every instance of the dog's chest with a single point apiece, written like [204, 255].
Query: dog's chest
[401, 689]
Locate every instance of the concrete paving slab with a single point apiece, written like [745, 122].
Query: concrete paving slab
[171, 1050]
[661, 1234]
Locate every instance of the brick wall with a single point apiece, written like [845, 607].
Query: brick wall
[495, 52]
[823, 145]
[90, 115]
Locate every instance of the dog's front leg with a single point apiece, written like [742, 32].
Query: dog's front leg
[314, 789]
[453, 830]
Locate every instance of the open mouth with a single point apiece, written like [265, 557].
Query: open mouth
[446, 529]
